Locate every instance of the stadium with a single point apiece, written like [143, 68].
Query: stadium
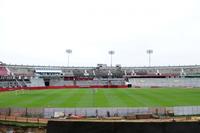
[111, 92]
[106, 66]
[101, 86]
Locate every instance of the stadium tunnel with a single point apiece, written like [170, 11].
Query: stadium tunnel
[47, 82]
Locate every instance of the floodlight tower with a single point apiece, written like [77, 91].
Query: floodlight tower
[111, 53]
[149, 52]
[68, 51]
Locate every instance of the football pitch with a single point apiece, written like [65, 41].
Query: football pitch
[142, 97]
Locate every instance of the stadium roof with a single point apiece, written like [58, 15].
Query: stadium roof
[48, 71]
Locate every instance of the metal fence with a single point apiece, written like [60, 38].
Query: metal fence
[93, 112]
[28, 112]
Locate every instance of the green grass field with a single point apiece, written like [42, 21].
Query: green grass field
[101, 98]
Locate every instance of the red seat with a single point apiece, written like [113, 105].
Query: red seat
[3, 71]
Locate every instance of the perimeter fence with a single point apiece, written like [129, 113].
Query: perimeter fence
[94, 112]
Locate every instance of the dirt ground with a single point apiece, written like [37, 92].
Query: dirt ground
[13, 129]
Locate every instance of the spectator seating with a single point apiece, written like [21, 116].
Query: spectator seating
[4, 71]
[165, 82]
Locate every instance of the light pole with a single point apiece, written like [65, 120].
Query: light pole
[149, 52]
[111, 53]
[68, 51]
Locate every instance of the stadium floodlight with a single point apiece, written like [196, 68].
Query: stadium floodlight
[149, 52]
[68, 51]
[111, 53]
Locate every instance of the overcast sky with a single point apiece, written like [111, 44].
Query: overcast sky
[39, 31]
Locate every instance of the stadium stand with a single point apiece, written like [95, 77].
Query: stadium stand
[36, 82]
[173, 71]
[165, 82]
[68, 73]
[78, 73]
[61, 82]
[117, 73]
[163, 76]
[17, 71]
[4, 71]
[102, 73]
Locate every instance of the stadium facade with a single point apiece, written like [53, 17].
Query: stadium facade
[102, 75]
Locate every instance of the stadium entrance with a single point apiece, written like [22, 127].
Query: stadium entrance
[47, 82]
